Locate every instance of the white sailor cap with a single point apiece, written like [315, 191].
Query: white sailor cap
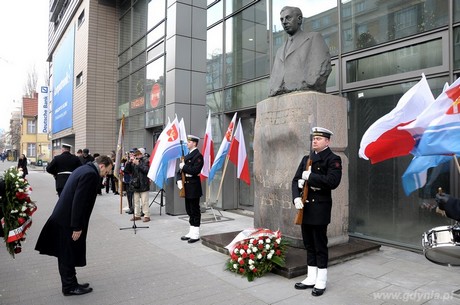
[321, 132]
[67, 146]
[193, 138]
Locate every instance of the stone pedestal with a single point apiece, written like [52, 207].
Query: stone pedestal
[281, 139]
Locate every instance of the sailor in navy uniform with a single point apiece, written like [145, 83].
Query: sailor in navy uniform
[191, 166]
[322, 177]
[62, 166]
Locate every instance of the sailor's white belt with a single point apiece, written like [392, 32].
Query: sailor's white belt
[315, 188]
[64, 173]
[188, 175]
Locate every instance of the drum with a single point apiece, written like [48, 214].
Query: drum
[441, 245]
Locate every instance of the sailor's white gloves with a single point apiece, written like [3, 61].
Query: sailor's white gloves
[300, 183]
[298, 203]
[179, 184]
[306, 174]
[181, 165]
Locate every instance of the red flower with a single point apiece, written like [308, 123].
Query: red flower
[21, 195]
[242, 262]
[21, 220]
[260, 246]
[17, 249]
[252, 256]
[241, 270]
[278, 252]
[254, 270]
[244, 255]
[245, 247]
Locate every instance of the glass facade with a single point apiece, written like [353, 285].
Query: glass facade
[379, 50]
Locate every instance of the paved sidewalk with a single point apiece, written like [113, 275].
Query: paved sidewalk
[153, 266]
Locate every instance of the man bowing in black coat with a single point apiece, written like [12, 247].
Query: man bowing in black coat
[64, 234]
[191, 168]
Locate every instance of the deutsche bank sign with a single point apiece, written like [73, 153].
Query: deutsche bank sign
[43, 110]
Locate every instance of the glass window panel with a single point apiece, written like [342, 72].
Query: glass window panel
[215, 13]
[367, 23]
[246, 45]
[318, 16]
[154, 84]
[124, 7]
[156, 34]
[139, 19]
[234, 5]
[332, 79]
[123, 71]
[156, 12]
[214, 58]
[246, 96]
[125, 32]
[156, 51]
[138, 47]
[123, 91]
[138, 62]
[457, 48]
[410, 58]
[214, 101]
[124, 57]
[137, 92]
[379, 207]
[456, 10]
[154, 117]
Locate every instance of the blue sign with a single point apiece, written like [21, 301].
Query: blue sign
[63, 59]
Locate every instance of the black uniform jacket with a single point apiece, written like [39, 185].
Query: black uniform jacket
[452, 208]
[71, 213]
[326, 173]
[192, 169]
[65, 162]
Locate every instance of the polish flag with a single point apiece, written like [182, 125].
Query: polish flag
[385, 139]
[207, 151]
[238, 156]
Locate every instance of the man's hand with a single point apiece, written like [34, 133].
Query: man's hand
[179, 184]
[300, 183]
[306, 174]
[181, 165]
[298, 203]
[76, 235]
[441, 200]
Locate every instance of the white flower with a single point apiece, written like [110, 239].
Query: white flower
[23, 208]
[14, 211]
[22, 214]
[251, 241]
[240, 259]
[251, 262]
[248, 251]
[272, 251]
[241, 251]
[12, 175]
[251, 267]
[235, 251]
[21, 179]
[278, 241]
[267, 246]
[235, 266]
[259, 256]
[268, 240]
[261, 241]
[254, 249]
[269, 256]
[20, 190]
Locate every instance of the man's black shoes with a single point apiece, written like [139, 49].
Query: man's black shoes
[184, 238]
[316, 292]
[193, 240]
[302, 286]
[79, 290]
[84, 285]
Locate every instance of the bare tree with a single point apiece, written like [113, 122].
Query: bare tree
[31, 83]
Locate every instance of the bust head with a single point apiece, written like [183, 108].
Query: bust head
[291, 18]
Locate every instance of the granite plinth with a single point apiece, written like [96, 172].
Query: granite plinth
[296, 258]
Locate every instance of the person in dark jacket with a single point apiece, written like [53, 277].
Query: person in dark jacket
[191, 167]
[64, 234]
[450, 205]
[86, 156]
[62, 166]
[322, 176]
[139, 184]
[22, 163]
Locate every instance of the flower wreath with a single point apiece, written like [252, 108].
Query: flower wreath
[18, 209]
[253, 252]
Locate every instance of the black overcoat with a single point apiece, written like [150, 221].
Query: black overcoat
[71, 213]
[326, 173]
[192, 169]
[65, 162]
[452, 208]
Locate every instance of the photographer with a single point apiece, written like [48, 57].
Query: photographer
[138, 166]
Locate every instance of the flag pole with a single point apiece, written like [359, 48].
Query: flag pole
[222, 179]
[456, 163]
[120, 191]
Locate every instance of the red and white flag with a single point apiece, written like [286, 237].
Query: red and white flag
[237, 155]
[385, 139]
[208, 150]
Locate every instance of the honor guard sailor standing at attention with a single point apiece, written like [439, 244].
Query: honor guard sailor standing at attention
[62, 166]
[191, 167]
[323, 175]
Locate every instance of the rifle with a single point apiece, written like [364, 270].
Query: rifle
[299, 215]
[182, 158]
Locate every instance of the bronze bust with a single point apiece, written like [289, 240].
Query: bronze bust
[303, 62]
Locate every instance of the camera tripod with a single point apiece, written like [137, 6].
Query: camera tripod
[161, 204]
[134, 226]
